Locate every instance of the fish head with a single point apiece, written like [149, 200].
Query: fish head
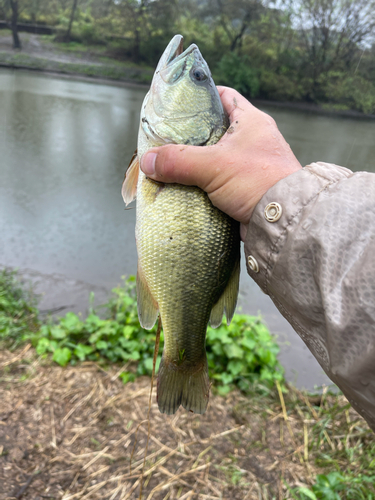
[183, 105]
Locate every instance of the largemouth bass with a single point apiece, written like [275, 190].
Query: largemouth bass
[188, 250]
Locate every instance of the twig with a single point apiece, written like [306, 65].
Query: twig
[176, 478]
[53, 427]
[100, 454]
[55, 309]
[26, 485]
[286, 418]
[17, 358]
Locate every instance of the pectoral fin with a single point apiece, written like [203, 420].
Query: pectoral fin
[129, 186]
[228, 300]
[147, 307]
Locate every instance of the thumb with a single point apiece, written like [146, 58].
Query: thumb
[181, 164]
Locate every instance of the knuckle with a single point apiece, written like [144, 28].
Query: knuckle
[168, 161]
[163, 164]
[270, 121]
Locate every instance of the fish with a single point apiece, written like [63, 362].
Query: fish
[188, 250]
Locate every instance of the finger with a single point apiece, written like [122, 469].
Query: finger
[234, 103]
[181, 164]
[236, 106]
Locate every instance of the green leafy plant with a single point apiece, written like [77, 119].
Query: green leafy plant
[238, 355]
[18, 312]
[242, 353]
[116, 338]
[336, 486]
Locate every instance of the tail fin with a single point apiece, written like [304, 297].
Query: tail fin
[182, 385]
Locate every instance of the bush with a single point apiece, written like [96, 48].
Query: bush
[241, 354]
[116, 339]
[279, 87]
[353, 92]
[235, 71]
[238, 355]
[18, 313]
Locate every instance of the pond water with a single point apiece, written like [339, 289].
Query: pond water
[64, 148]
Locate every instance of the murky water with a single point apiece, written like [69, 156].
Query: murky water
[64, 147]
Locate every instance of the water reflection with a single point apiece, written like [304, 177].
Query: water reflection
[64, 147]
[345, 141]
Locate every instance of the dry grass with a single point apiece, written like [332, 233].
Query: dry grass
[79, 433]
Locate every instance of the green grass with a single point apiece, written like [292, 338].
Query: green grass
[319, 441]
[111, 69]
[342, 447]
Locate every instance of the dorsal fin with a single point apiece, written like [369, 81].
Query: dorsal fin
[129, 186]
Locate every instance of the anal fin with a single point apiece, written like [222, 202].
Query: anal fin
[228, 300]
[147, 307]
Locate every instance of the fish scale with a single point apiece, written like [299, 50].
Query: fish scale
[188, 250]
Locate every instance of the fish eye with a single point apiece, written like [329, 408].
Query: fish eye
[199, 74]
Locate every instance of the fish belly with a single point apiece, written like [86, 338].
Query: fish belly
[187, 250]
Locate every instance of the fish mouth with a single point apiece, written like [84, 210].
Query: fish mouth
[176, 48]
[174, 52]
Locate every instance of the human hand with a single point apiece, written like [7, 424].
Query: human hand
[237, 171]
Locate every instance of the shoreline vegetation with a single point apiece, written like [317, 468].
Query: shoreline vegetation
[74, 411]
[72, 60]
[79, 62]
[311, 54]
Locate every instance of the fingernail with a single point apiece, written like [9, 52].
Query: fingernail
[148, 163]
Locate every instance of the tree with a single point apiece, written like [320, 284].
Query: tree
[13, 24]
[11, 5]
[236, 18]
[68, 33]
[332, 33]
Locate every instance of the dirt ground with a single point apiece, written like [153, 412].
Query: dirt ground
[79, 433]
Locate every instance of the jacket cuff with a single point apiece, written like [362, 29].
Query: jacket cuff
[279, 211]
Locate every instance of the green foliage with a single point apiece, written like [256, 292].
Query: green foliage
[235, 71]
[354, 92]
[337, 486]
[312, 51]
[118, 338]
[238, 355]
[280, 87]
[109, 68]
[18, 313]
[241, 354]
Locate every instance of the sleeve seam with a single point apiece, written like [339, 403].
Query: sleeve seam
[289, 222]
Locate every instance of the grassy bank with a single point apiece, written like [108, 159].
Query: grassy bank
[79, 430]
[40, 53]
[106, 62]
[109, 71]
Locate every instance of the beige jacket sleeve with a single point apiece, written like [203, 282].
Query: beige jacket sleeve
[310, 246]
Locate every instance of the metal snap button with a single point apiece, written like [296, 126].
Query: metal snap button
[273, 212]
[253, 264]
